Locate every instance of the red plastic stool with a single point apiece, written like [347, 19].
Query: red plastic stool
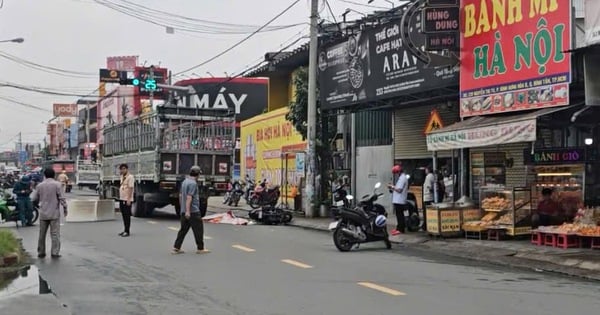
[537, 238]
[565, 241]
[550, 239]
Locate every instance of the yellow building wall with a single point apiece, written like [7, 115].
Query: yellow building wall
[264, 139]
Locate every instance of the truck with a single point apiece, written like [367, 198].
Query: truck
[159, 149]
[87, 173]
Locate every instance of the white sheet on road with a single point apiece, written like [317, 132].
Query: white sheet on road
[225, 218]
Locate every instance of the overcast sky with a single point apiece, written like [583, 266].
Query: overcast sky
[78, 35]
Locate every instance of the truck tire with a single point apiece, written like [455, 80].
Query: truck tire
[139, 208]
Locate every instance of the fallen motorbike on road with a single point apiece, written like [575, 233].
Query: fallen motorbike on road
[365, 223]
[270, 215]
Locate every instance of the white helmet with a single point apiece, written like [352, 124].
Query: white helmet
[380, 220]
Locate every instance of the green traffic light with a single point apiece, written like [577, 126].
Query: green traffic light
[135, 82]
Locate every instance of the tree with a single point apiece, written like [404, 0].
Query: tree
[298, 116]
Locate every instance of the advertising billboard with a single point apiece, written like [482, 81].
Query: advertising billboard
[123, 63]
[592, 22]
[513, 55]
[376, 64]
[247, 96]
[64, 110]
[264, 140]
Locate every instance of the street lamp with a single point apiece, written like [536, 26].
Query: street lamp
[17, 40]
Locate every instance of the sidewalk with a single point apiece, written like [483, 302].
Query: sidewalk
[584, 263]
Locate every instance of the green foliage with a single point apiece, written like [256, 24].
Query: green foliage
[325, 131]
[8, 243]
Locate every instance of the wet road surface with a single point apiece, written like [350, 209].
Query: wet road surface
[283, 270]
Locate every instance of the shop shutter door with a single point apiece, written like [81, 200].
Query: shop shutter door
[409, 123]
[516, 176]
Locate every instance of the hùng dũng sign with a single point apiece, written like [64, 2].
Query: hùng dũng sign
[513, 55]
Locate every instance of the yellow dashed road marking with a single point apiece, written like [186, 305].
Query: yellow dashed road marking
[244, 248]
[296, 263]
[381, 288]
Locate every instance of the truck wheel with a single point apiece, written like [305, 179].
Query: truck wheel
[139, 207]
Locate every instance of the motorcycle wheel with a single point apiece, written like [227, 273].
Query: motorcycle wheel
[254, 203]
[286, 218]
[413, 222]
[341, 241]
[36, 214]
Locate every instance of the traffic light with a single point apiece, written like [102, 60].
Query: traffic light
[149, 84]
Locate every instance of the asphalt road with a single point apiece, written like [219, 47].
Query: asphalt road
[265, 270]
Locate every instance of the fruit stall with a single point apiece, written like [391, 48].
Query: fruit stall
[584, 232]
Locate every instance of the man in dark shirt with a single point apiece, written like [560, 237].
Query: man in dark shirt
[191, 214]
[23, 189]
[547, 208]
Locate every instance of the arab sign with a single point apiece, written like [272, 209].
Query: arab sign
[64, 110]
[434, 122]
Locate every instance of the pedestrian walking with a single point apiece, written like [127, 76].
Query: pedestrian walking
[191, 217]
[428, 186]
[64, 181]
[126, 197]
[399, 196]
[50, 197]
[23, 191]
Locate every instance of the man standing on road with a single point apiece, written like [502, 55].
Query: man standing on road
[399, 195]
[64, 181]
[23, 189]
[50, 197]
[126, 197]
[192, 215]
[428, 186]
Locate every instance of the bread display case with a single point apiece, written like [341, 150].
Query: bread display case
[504, 207]
[487, 169]
[567, 184]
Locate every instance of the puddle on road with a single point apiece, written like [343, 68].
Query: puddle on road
[26, 280]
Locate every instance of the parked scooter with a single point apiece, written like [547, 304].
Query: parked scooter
[264, 196]
[9, 211]
[362, 224]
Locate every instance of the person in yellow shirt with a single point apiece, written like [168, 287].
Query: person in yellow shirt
[63, 179]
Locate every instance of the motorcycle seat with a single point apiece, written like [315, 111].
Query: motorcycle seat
[274, 188]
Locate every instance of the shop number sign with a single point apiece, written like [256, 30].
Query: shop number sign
[450, 220]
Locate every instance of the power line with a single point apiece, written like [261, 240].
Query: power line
[48, 69]
[364, 5]
[12, 100]
[241, 41]
[179, 22]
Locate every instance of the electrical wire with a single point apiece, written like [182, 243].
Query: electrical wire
[364, 5]
[242, 40]
[47, 69]
[182, 23]
[12, 100]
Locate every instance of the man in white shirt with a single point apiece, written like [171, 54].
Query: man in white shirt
[399, 195]
[428, 186]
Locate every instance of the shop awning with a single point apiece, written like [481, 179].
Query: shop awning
[482, 131]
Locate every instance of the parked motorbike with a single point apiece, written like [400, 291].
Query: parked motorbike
[339, 199]
[264, 196]
[271, 215]
[367, 222]
[235, 194]
[411, 215]
[9, 211]
[250, 185]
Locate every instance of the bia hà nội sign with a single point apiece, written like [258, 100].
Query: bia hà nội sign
[513, 55]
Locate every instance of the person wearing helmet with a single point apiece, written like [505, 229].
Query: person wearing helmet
[23, 189]
[399, 195]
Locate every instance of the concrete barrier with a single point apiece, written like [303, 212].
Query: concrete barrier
[90, 210]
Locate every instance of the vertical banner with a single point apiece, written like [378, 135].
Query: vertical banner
[592, 22]
[513, 55]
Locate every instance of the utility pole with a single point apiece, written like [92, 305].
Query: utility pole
[309, 207]
[151, 91]
[20, 148]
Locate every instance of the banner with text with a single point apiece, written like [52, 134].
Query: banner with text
[266, 141]
[513, 55]
[592, 22]
[520, 131]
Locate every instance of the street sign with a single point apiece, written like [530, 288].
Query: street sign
[112, 76]
[434, 122]
[441, 19]
[441, 2]
[442, 41]
[22, 156]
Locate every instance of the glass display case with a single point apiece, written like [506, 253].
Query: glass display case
[487, 169]
[505, 207]
[566, 182]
